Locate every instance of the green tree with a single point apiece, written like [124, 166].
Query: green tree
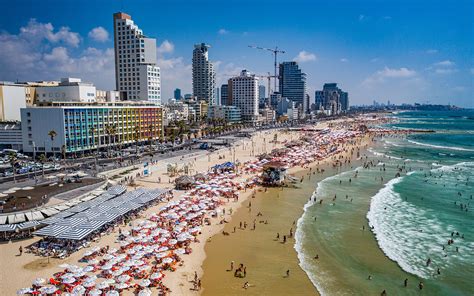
[52, 134]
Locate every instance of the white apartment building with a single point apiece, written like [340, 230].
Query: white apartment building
[68, 90]
[204, 76]
[243, 92]
[136, 75]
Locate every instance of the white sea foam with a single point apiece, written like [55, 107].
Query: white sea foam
[383, 154]
[440, 147]
[406, 233]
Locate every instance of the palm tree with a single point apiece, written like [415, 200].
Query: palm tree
[137, 137]
[110, 130]
[52, 134]
[150, 136]
[42, 159]
[13, 160]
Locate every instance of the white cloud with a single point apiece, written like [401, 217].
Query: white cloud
[361, 17]
[446, 63]
[432, 51]
[304, 56]
[387, 17]
[165, 47]
[386, 74]
[99, 34]
[344, 60]
[223, 31]
[38, 32]
[374, 60]
[175, 73]
[37, 52]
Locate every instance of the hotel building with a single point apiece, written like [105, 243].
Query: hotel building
[136, 75]
[85, 128]
[243, 93]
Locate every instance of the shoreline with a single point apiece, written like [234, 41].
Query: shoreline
[304, 172]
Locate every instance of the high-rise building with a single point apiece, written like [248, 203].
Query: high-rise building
[224, 95]
[177, 94]
[292, 83]
[243, 93]
[204, 76]
[261, 92]
[332, 98]
[137, 76]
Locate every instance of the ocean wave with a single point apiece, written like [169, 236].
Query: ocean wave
[397, 226]
[383, 154]
[454, 167]
[440, 147]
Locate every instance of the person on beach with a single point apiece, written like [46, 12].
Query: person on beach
[231, 265]
[405, 283]
[284, 239]
[288, 273]
[246, 285]
[420, 286]
[20, 250]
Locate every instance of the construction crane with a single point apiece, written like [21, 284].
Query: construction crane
[275, 52]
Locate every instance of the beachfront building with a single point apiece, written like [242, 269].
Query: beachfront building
[137, 76]
[243, 93]
[331, 99]
[293, 84]
[85, 128]
[204, 76]
[230, 114]
[10, 135]
[175, 111]
[225, 95]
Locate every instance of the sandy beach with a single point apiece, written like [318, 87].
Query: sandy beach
[30, 266]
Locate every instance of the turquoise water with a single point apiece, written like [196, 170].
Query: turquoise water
[412, 216]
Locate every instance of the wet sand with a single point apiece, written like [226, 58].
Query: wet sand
[266, 258]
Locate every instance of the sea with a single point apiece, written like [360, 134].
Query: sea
[407, 218]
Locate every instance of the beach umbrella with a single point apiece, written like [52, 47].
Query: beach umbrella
[90, 278]
[24, 291]
[106, 267]
[163, 249]
[112, 251]
[156, 276]
[102, 285]
[145, 292]
[79, 290]
[112, 293]
[123, 278]
[108, 256]
[79, 273]
[145, 283]
[50, 289]
[161, 255]
[73, 268]
[68, 280]
[89, 284]
[117, 272]
[95, 292]
[39, 281]
[144, 267]
[121, 286]
[110, 281]
[167, 260]
[93, 262]
[172, 242]
[88, 268]
[180, 251]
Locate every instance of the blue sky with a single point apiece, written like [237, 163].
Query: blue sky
[405, 51]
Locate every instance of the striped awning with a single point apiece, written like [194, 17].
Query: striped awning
[52, 230]
[7, 227]
[28, 225]
[76, 233]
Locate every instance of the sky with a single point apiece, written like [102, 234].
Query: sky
[402, 51]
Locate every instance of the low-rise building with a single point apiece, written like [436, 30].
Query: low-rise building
[10, 135]
[68, 90]
[230, 114]
[85, 128]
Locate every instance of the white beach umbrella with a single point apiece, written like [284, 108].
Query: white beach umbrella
[145, 283]
[24, 291]
[167, 260]
[112, 293]
[39, 281]
[95, 292]
[68, 280]
[89, 284]
[123, 278]
[145, 292]
[121, 286]
[102, 285]
[79, 290]
[156, 276]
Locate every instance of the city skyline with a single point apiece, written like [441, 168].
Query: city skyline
[375, 51]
